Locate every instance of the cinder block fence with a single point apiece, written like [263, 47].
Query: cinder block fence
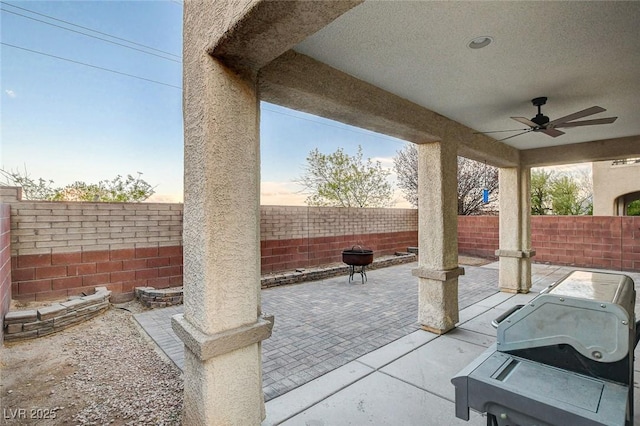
[58, 249]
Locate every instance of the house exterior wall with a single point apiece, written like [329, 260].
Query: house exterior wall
[612, 180]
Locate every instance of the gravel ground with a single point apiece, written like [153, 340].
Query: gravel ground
[104, 371]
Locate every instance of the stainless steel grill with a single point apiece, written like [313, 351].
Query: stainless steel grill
[565, 358]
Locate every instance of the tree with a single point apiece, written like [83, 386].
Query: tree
[473, 178]
[129, 189]
[561, 193]
[633, 208]
[341, 180]
[406, 165]
[564, 197]
[541, 191]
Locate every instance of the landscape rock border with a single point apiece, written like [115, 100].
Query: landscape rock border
[151, 297]
[30, 324]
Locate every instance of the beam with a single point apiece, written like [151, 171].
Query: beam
[259, 31]
[586, 152]
[302, 83]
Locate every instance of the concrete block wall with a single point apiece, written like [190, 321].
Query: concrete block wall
[606, 242]
[60, 249]
[305, 237]
[478, 235]
[66, 249]
[589, 241]
[5, 260]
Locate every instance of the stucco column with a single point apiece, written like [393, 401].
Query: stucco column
[221, 326]
[515, 251]
[438, 269]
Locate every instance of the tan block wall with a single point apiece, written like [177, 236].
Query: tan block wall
[284, 222]
[61, 249]
[5, 261]
[39, 227]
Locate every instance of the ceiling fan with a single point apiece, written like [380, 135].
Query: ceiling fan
[541, 123]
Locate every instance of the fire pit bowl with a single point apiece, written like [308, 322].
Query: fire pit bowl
[357, 256]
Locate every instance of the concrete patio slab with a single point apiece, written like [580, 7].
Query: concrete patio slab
[391, 352]
[482, 323]
[382, 400]
[432, 366]
[472, 337]
[311, 393]
[471, 312]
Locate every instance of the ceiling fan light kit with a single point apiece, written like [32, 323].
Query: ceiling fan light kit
[541, 123]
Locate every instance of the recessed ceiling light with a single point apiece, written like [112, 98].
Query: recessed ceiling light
[480, 42]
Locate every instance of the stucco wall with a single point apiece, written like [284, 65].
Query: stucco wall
[611, 181]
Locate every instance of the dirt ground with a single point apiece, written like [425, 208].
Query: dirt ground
[104, 371]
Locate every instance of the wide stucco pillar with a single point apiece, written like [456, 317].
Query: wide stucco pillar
[438, 269]
[221, 326]
[515, 250]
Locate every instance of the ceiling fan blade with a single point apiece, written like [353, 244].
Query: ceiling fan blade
[499, 131]
[513, 136]
[607, 120]
[551, 132]
[576, 115]
[525, 121]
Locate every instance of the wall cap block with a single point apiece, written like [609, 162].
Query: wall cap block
[206, 346]
[438, 275]
[520, 254]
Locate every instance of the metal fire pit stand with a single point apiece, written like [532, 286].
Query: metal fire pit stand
[353, 270]
[355, 257]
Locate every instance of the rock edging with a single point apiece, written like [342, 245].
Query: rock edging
[21, 325]
[160, 298]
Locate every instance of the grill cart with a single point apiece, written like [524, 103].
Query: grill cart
[565, 358]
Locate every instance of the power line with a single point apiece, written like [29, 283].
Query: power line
[89, 65]
[90, 29]
[89, 35]
[368, 132]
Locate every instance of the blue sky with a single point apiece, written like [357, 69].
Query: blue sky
[66, 122]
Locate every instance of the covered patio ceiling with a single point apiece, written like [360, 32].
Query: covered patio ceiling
[392, 54]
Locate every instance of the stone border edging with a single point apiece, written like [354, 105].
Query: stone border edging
[151, 297]
[330, 271]
[21, 325]
[160, 298]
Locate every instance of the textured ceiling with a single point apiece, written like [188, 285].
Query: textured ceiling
[578, 54]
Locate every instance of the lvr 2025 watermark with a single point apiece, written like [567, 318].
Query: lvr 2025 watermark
[28, 413]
